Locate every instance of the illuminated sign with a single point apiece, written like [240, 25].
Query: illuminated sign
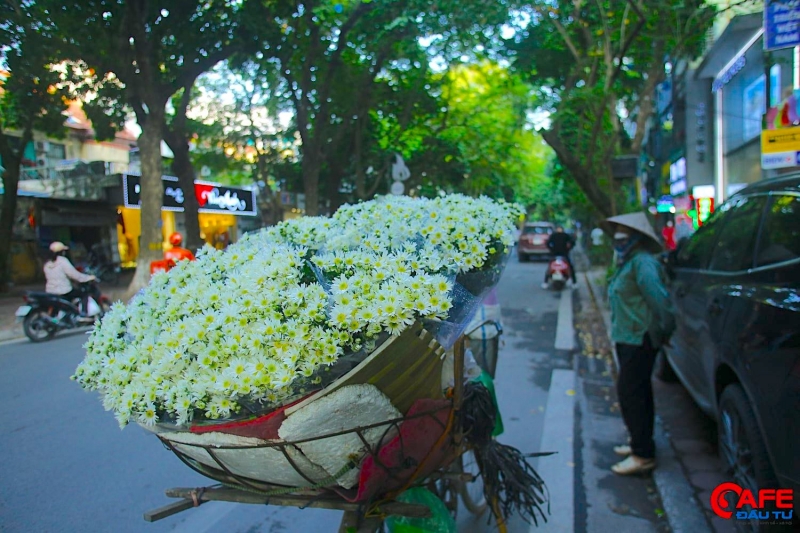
[665, 205]
[677, 177]
[705, 207]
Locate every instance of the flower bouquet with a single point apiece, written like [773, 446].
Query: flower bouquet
[289, 335]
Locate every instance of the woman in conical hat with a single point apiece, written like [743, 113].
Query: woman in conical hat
[642, 321]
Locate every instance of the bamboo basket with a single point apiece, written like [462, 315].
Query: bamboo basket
[405, 368]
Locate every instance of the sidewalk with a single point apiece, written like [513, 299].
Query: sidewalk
[681, 489]
[609, 503]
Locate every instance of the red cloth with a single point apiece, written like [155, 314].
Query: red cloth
[404, 454]
[263, 427]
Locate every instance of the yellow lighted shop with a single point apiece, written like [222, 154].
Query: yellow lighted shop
[218, 230]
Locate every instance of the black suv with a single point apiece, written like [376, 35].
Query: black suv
[736, 287]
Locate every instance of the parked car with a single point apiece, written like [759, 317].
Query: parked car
[533, 240]
[736, 287]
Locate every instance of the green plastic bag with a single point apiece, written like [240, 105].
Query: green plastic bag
[487, 381]
[440, 521]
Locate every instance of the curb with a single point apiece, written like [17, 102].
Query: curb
[681, 507]
[558, 471]
[11, 335]
[676, 493]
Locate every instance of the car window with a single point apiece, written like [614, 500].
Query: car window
[780, 236]
[737, 241]
[536, 230]
[696, 251]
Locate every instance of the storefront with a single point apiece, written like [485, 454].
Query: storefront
[221, 209]
[747, 82]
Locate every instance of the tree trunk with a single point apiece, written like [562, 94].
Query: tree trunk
[11, 162]
[151, 240]
[586, 179]
[312, 163]
[184, 170]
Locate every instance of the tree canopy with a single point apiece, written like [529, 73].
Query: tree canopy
[32, 98]
[596, 65]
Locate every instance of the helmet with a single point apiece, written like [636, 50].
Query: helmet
[176, 239]
[57, 247]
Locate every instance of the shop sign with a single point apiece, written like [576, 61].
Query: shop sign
[780, 160]
[781, 24]
[705, 207]
[724, 78]
[780, 148]
[677, 177]
[703, 191]
[211, 197]
[665, 205]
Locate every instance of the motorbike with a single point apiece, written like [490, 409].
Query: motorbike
[103, 270]
[45, 314]
[558, 272]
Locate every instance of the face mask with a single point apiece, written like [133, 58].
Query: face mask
[621, 242]
[624, 246]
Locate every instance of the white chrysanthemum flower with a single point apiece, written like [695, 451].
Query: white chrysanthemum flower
[255, 320]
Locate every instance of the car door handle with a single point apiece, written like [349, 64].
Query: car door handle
[715, 308]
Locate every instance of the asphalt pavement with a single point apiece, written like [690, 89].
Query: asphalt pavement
[68, 466]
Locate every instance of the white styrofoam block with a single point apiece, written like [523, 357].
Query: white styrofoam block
[266, 464]
[347, 408]
[471, 368]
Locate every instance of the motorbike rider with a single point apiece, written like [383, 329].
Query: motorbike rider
[177, 253]
[560, 244]
[58, 271]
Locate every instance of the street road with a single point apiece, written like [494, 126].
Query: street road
[68, 467]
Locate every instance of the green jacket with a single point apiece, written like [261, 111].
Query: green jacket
[640, 302]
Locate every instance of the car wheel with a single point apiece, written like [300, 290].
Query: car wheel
[522, 258]
[741, 448]
[664, 370]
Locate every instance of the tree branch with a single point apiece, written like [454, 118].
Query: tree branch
[561, 30]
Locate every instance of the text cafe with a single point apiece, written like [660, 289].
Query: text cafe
[220, 210]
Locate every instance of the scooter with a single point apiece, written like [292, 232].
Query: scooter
[558, 272]
[45, 314]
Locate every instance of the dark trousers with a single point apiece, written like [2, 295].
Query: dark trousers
[635, 392]
[75, 293]
[569, 262]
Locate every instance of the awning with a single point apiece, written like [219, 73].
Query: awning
[77, 214]
[739, 31]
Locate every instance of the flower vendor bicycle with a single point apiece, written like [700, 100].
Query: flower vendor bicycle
[445, 461]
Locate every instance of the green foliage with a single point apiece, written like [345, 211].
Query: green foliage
[595, 65]
[33, 96]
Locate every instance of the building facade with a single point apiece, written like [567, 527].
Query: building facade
[726, 120]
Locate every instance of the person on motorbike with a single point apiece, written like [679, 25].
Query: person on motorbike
[560, 244]
[59, 273]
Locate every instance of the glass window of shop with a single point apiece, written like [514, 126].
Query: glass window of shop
[745, 100]
[216, 229]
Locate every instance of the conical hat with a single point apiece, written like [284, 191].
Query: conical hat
[638, 221]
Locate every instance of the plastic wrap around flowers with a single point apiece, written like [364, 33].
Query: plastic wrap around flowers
[258, 323]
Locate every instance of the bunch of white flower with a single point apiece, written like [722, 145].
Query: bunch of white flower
[454, 233]
[250, 324]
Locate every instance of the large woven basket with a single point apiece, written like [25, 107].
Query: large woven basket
[406, 368]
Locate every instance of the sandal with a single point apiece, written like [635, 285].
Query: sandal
[624, 450]
[633, 465]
